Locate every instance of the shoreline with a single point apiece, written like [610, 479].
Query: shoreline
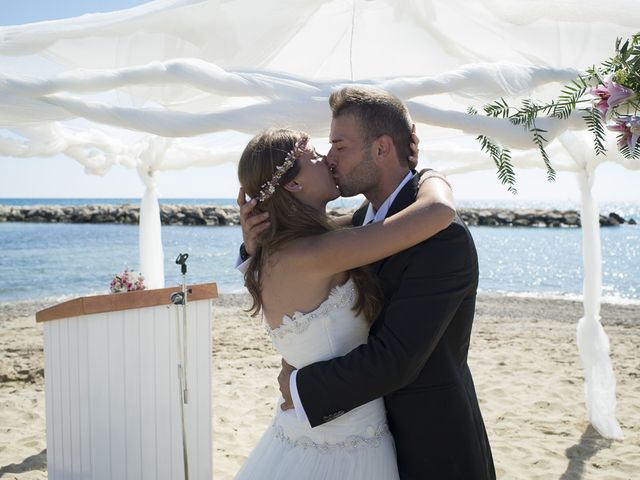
[25, 308]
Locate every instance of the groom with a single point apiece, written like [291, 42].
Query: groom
[416, 355]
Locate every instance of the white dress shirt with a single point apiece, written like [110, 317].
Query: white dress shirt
[372, 216]
[242, 266]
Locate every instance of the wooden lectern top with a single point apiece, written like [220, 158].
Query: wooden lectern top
[114, 302]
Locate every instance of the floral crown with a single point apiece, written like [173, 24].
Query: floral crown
[269, 188]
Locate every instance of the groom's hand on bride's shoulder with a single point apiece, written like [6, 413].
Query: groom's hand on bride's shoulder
[283, 380]
[253, 224]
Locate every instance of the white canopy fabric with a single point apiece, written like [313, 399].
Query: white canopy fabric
[177, 83]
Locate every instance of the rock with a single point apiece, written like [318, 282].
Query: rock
[489, 221]
[615, 219]
[521, 222]
[571, 218]
[506, 216]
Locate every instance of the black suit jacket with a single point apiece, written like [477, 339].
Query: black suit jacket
[416, 357]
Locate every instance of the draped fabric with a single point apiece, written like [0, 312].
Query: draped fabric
[178, 83]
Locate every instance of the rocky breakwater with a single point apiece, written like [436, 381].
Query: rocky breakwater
[498, 217]
[229, 215]
[125, 214]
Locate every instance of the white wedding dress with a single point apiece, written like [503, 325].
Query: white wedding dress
[356, 445]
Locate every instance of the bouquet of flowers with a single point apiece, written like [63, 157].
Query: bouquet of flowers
[615, 97]
[612, 102]
[127, 281]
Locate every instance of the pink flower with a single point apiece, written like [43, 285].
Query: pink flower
[602, 92]
[611, 94]
[629, 129]
[634, 128]
[619, 94]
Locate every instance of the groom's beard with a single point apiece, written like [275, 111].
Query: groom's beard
[360, 179]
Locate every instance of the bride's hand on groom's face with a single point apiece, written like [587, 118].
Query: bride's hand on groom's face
[252, 224]
[283, 380]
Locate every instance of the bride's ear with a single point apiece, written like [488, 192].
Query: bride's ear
[293, 187]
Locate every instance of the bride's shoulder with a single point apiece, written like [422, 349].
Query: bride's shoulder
[428, 173]
[296, 254]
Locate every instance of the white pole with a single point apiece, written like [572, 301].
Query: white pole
[150, 240]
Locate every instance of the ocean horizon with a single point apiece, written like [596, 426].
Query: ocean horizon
[57, 261]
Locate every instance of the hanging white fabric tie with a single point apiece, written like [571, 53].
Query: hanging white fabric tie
[593, 342]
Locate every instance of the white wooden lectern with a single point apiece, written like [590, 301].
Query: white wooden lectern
[113, 396]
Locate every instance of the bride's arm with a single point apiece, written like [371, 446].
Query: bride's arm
[341, 250]
[343, 221]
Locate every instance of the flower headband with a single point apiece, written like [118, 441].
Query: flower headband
[269, 188]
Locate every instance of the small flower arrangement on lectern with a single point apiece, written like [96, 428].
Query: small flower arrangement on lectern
[127, 281]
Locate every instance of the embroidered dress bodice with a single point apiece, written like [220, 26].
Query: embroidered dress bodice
[329, 331]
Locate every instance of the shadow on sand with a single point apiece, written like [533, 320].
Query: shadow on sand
[579, 454]
[34, 462]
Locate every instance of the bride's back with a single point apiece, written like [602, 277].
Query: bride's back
[287, 287]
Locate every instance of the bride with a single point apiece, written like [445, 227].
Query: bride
[309, 280]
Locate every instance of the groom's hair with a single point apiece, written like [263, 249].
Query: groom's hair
[378, 112]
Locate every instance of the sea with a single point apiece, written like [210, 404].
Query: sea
[58, 261]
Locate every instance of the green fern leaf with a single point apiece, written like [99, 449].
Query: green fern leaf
[593, 120]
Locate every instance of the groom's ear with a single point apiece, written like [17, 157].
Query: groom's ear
[292, 187]
[382, 146]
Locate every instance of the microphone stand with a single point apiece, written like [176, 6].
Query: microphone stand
[180, 298]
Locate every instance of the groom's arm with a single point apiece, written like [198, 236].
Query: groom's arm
[440, 273]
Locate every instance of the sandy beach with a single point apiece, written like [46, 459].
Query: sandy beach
[523, 356]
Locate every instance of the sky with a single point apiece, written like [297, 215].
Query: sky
[61, 177]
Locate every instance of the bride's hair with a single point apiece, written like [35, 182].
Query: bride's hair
[290, 219]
